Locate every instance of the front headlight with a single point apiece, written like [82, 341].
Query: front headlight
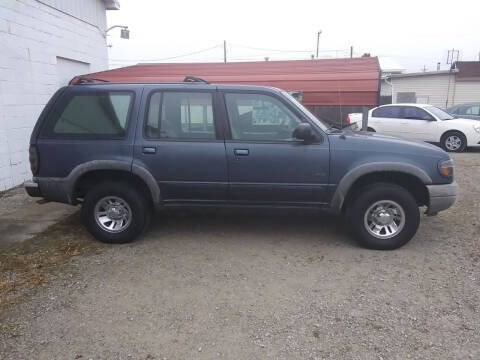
[446, 168]
[476, 128]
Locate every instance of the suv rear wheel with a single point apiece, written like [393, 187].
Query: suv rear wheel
[115, 212]
[383, 216]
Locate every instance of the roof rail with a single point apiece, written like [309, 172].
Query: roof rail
[87, 80]
[194, 79]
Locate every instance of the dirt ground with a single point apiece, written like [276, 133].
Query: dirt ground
[250, 285]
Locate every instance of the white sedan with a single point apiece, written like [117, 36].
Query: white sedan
[423, 122]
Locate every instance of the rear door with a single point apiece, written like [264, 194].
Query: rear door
[387, 120]
[180, 142]
[266, 164]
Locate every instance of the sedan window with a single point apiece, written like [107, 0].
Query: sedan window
[415, 113]
[439, 113]
[388, 112]
[473, 110]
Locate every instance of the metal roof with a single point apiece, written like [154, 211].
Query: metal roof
[323, 82]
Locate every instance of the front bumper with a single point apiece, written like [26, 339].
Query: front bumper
[32, 188]
[441, 197]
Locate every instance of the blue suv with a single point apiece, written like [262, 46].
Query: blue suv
[125, 149]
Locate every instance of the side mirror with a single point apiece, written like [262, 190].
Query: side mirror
[305, 132]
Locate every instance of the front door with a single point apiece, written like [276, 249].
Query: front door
[179, 143]
[266, 164]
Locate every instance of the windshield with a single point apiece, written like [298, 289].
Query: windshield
[321, 123]
[439, 113]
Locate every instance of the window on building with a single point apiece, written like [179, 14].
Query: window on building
[176, 115]
[406, 97]
[102, 114]
[259, 117]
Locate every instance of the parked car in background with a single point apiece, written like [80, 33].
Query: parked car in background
[467, 111]
[423, 122]
[123, 149]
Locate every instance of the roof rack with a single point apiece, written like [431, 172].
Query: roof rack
[194, 79]
[87, 80]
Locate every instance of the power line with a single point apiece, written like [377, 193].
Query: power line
[274, 50]
[168, 58]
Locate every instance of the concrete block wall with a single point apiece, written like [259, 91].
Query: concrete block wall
[32, 36]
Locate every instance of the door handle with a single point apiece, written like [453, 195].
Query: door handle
[241, 152]
[149, 150]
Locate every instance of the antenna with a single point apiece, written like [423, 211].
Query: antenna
[452, 56]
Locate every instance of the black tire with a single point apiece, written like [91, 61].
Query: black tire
[365, 198]
[139, 208]
[457, 135]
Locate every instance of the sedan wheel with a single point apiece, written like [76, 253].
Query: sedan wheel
[453, 141]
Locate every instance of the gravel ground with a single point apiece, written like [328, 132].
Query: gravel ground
[260, 285]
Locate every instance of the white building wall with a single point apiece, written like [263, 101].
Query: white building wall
[33, 36]
[435, 87]
[466, 92]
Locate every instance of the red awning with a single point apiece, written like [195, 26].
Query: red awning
[323, 82]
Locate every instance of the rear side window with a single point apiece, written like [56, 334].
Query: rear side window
[180, 115]
[471, 110]
[99, 114]
[388, 112]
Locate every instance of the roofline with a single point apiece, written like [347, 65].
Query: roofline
[427, 73]
[407, 104]
[200, 84]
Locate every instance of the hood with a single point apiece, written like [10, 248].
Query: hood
[375, 142]
[463, 121]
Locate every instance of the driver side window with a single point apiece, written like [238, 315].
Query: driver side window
[259, 117]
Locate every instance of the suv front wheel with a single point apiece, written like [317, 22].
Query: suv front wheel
[383, 216]
[115, 212]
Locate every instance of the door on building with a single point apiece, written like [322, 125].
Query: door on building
[67, 69]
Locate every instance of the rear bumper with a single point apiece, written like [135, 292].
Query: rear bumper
[441, 197]
[32, 188]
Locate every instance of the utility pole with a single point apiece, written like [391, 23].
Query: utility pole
[224, 51]
[318, 40]
[351, 52]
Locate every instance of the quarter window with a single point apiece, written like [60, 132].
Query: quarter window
[92, 115]
[177, 115]
[259, 117]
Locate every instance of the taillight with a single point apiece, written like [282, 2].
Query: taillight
[348, 120]
[33, 157]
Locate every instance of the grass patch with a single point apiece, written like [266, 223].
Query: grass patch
[27, 266]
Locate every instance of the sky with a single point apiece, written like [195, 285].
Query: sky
[416, 34]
